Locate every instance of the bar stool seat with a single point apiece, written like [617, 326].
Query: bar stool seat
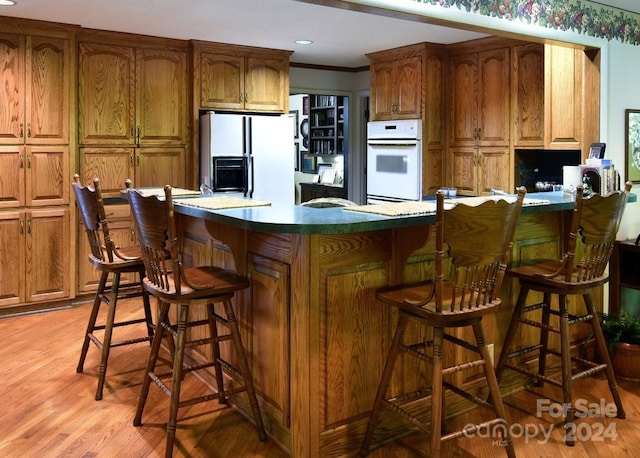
[112, 262]
[463, 290]
[592, 235]
[172, 282]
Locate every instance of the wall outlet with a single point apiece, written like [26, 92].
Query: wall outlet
[490, 347]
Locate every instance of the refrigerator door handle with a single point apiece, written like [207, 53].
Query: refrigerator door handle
[251, 177]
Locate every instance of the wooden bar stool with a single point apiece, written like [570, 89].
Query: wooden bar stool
[594, 225]
[112, 261]
[478, 241]
[173, 283]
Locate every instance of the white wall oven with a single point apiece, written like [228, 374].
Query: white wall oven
[394, 161]
[229, 174]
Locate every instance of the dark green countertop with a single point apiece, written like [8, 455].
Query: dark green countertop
[295, 219]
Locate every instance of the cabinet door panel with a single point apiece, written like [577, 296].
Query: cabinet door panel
[494, 97]
[464, 173]
[12, 52]
[464, 100]
[12, 253]
[221, 81]
[47, 265]
[12, 171]
[111, 165]
[161, 97]
[528, 95]
[494, 169]
[106, 94]
[160, 166]
[382, 93]
[265, 85]
[48, 91]
[409, 87]
[47, 171]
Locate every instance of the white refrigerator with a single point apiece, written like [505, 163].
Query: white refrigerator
[265, 141]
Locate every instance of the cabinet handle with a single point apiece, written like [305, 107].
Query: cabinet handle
[138, 159]
[21, 161]
[479, 132]
[29, 130]
[131, 131]
[29, 226]
[138, 135]
[133, 235]
[131, 159]
[21, 130]
[28, 161]
[21, 227]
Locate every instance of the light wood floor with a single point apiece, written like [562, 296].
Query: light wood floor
[48, 410]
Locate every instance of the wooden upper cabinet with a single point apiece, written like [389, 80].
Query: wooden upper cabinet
[572, 98]
[396, 88]
[34, 103]
[239, 79]
[161, 97]
[528, 95]
[132, 96]
[106, 94]
[480, 98]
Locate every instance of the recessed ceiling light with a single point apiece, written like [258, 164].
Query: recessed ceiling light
[7, 3]
[304, 42]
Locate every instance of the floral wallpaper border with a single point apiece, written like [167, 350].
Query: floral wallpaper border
[571, 15]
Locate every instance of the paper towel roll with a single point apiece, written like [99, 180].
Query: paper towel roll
[571, 176]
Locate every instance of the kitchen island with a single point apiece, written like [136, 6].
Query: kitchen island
[316, 337]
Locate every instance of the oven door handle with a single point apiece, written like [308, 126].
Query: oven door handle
[394, 142]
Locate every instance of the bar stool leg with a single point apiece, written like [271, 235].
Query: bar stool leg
[244, 368]
[544, 338]
[494, 389]
[176, 379]
[147, 309]
[565, 351]
[511, 332]
[385, 379]
[91, 325]
[151, 363]
[436, 393]
[215, 351]
[108, 332]
[602, 350]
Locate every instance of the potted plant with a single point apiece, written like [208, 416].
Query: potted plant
[622, 333]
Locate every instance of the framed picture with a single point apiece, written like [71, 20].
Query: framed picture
[632, 145]
[294, 116]
[596, 150]
[305, 105]
[309, 163]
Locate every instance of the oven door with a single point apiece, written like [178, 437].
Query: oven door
[229, 174]
[394, 170]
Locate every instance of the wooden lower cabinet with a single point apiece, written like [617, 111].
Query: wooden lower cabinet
[317, 339]
[34, 248]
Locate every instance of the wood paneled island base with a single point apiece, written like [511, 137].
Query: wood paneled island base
[316, 337]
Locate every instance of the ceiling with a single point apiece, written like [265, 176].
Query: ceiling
[341, 36]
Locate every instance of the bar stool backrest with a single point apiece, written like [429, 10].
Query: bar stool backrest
[94, 217]
[594, 226]
[478, 241]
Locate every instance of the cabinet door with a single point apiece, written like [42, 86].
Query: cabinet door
[106, 94]
[494, 97]
[12, 56]
[464, 169]
[46, 177]
[47, 98]
[12, 253]
[270, 311]
[47, 254]
[528, 95]
[382, 93]
[12, 171]
[464, 100]
[494, 171]
[408, 84]
[266, 85]
[113, 166]
[160, 166]
[161, 97]
[221, 81]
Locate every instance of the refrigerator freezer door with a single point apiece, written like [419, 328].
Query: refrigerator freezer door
[271, 156]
